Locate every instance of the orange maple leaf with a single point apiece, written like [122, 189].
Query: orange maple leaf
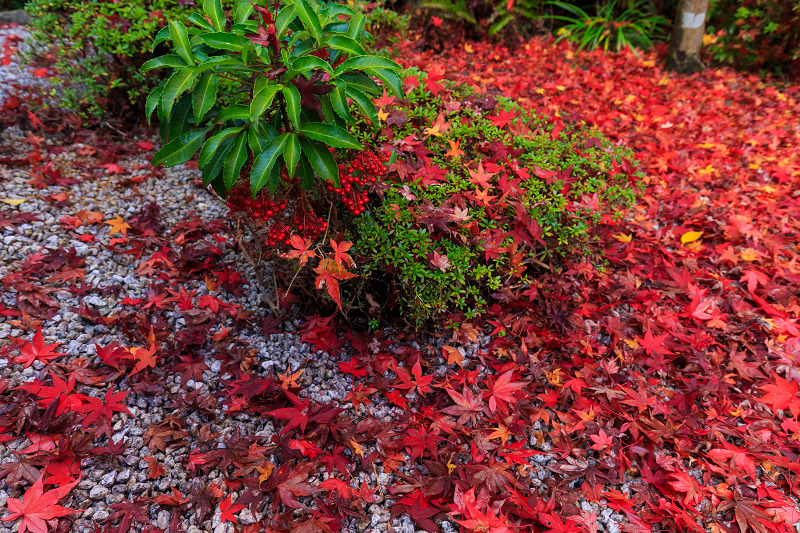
[340, 254]
[329, 275]
[454, 149]
[118, 225]
[439, 127]
[301, 250]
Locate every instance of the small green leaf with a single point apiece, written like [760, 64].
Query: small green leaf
[345, 44]
[364, 103]
[234, 161]
[330, 135]
[213, 8]
[167, 61]
[364, 62]
[263, 100]
[179, 82]
[291, 153]
[307, 63]
[309, 18]
[225, 41]
[212, 145]
[285, 17]
[204, 96]
[181, 149]
[221, 61]
[262, 166]
[180, 40]
[321, 160]
[292, 96]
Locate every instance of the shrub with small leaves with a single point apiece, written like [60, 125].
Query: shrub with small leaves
[480, 193]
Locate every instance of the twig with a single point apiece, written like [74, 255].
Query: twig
[261, 288]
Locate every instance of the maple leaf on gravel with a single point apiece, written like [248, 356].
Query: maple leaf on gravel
[501, 391]
[118, 225]
[37, 350]
[289, 483]
[227, 510]
[37, 507]
[418, 382]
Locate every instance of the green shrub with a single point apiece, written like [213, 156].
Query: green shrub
[490, 17]
[762, 35]
[99, 46]
[444, 236]
[384, 21]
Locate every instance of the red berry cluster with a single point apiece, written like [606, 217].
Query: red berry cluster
[262, 207]
[366, 168]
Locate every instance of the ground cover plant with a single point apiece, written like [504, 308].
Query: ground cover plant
[649, 384]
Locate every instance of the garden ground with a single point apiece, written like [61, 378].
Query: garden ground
[145, 387]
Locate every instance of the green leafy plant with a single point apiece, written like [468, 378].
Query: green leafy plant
[297, 70]
[480, 193]
[756, 34]
[276, 145]
[99, 46]
[632, 26]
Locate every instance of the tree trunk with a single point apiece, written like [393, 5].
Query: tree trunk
[687, 36]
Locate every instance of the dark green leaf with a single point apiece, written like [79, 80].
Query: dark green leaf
[345, 44]
[225, 41]
[181, 149]
[360, 82]
[285, 17]
[179, 82]
[213, 8]
[262, 166]
[364, 103]
[263, 100]
[199, 20]
[232, 112]
[307, 63]
[389, 78]
[204, 96]
[366, 62]
[213, 168]
[234, 161]
[243, 10]
[291, 153]
[180, 121]
[161, 36]
[167, 61]
[180, 40]
[212, 145]
[306, 173]
[258, 141]
[153, 99]
[330, 135]
[321, 160]
[356, 26]
[338, 98]
[309, 18]
[292, 96]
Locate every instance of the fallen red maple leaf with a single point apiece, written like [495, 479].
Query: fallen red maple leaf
[37, 507]
[37, 350]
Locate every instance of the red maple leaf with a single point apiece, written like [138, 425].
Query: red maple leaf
[782, 395]
[37, 350]
[227, 510]
[37, 507]
[432, 83]
[501, 391]
[503, 118]
[418, 382]
[301, 249]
